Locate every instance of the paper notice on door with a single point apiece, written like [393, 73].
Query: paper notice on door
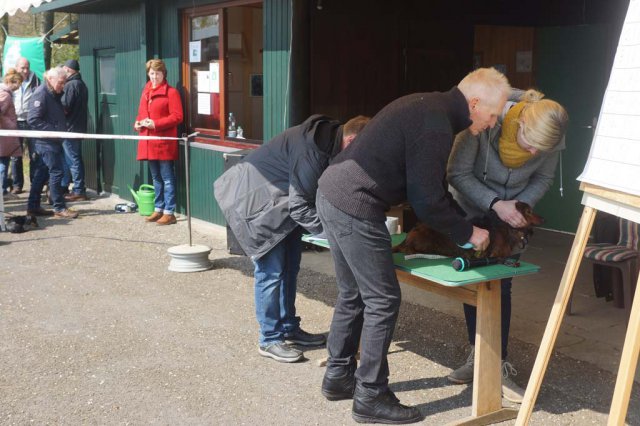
[204, 103]
[194, 51]
[214, 71]
[204, 81]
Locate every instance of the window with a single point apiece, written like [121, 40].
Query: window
[107, 74]
[222, 69]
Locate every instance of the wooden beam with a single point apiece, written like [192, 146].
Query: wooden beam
[465, 294]
[557, 314]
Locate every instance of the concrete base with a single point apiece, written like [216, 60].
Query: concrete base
[186, 258]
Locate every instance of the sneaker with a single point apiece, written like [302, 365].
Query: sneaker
[302, 338]
[66, 214]
[510, 391]
[464, 374]
[280, 352]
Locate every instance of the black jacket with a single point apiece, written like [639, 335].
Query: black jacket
[75, 100]
[273, 189]
[47, 114]
[402, 155]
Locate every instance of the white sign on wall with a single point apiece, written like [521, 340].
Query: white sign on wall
[614, 159]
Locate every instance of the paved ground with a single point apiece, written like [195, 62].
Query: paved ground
[96, 330]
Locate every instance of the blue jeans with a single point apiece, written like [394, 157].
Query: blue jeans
[4, 168]
[53, 161]
[39, 176]
[164, 184]
[368, 294]
[276, 281]
[73, 165]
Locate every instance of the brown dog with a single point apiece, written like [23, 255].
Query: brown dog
[504, 238]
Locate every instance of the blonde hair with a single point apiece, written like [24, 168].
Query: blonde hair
[12, 76]
[544, 122]
[355, 125]
[487, 84]
[156, 65]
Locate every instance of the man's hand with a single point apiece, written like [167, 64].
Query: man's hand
[507, 211]
[479, 239]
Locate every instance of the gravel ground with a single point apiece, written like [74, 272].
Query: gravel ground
[96, 330]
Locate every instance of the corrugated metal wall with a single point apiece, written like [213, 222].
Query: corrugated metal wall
[277, 25]
[152, 29]
[120, 31]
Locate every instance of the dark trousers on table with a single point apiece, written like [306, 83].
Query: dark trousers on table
[505, 316]
[369, 296]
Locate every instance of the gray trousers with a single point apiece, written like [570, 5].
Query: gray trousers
[368, 294]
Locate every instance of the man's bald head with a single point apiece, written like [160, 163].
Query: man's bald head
[23, 67]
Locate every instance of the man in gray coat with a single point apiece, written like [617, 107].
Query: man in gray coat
[267, 200]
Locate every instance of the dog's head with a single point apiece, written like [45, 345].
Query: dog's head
[527, 212]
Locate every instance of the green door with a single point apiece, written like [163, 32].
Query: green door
[573, 66]
[107, 114]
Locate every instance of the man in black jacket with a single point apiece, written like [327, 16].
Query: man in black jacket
[267, 199]
[401, 155]
[75, 100]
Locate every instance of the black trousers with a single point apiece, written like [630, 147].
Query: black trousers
[368, 294]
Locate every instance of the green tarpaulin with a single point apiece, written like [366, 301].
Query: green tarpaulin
[31, 48]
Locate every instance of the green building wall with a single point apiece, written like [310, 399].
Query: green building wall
[146, 30]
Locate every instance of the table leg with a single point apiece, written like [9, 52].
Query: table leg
[487, 384]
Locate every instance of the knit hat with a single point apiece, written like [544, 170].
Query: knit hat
[73, 64]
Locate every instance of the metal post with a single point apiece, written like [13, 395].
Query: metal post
[187, 173]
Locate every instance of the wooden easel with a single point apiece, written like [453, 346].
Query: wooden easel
[622, 205]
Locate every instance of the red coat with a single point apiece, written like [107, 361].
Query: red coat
[164, 107]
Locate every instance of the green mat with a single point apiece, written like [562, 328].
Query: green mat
[441, 271]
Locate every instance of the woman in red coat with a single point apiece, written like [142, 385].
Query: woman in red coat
[159, 114]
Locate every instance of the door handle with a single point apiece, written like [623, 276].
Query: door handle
[113, 116]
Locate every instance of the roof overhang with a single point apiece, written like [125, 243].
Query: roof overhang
[12, 6]
[82, 6]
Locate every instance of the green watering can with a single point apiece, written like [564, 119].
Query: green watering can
[144, 199]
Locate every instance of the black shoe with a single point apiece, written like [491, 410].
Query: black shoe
[372, 407]
[280, 352]
[302, 338]
[338, 382]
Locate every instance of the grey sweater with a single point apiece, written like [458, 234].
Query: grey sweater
[477, 176]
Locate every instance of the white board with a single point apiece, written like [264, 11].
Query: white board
[614, 159]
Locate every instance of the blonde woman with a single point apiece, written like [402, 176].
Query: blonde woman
[516, 161]
[9, 146]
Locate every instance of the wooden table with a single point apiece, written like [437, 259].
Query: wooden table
[479, 287]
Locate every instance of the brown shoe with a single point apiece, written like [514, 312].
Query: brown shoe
[154, 217]
[17, 191]
[75, 197]
[167, 219]
[66, 214]
[40, 212]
